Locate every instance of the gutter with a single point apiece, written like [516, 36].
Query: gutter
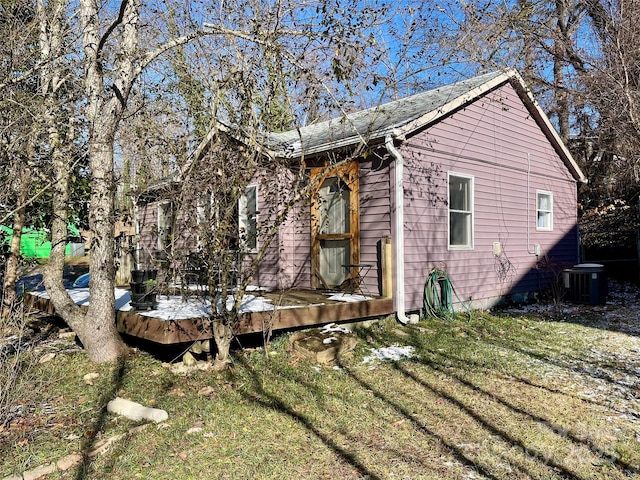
[398, 230]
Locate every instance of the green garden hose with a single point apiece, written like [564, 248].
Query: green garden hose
[438, 296]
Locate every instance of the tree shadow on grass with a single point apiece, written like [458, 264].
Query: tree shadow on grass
[458, 453]
[480, 366]
[448, 364]
[456, 450]
[270, 401]
[547, 423]
[85, 470]
[591, 368]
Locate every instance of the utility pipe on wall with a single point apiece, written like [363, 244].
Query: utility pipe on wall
[530, 211]
[399, 229]
[387, 266]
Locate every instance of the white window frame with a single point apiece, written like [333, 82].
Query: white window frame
[164, 224]
[548, 226]
[247, 220]
[470, 212]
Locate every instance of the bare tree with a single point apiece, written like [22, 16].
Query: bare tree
[19, 131]
[614, 79]
[272, 65]
[112, 59]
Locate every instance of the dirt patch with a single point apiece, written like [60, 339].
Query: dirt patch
[323, 345]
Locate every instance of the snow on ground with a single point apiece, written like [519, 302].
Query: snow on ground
[393, 353]
[333, 328]
[607, 370]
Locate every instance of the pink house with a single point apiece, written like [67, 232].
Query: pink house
[470, 179]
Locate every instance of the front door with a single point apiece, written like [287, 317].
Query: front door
[334, 224]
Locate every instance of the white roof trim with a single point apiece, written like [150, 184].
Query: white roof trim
[525, 94]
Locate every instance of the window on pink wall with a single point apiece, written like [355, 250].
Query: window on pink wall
[544, 210]
[460, 198]
[165, 225]
[247, 218]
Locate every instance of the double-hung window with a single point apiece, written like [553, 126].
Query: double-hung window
[165, 225]
[247, 218]
[460, 211]
[544, 210]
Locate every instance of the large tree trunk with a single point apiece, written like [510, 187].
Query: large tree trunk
[102, 340]
[96, 328]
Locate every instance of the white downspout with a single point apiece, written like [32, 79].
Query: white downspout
[399, 230]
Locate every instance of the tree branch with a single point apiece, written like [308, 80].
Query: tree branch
[112, 27]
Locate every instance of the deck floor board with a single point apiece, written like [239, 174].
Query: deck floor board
[301, 308]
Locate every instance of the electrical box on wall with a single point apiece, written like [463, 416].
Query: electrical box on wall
[537, 250]
[497, 249]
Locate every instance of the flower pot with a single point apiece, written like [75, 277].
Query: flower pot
[140, 276]
[151, 274]
[137, 276]
[141, 298]
[143, 291]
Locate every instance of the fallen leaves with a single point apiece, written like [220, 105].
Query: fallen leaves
[47, 358]
[177, 392]
[206, 391]
[90, 377]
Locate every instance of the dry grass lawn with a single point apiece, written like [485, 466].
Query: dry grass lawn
[545, 393]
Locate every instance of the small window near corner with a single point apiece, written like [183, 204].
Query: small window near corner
[544, 210]
[460, 212]
[247, 218]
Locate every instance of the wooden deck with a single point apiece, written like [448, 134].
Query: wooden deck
[304, 308]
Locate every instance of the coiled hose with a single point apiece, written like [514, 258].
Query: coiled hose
[438, 296]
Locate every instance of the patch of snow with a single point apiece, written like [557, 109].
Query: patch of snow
[329, 340]
[171, 307]
[250, 303]
[333, 328]
[393, 353]
[284, 307]
[348, 297]
[256, 288]
[175, 308]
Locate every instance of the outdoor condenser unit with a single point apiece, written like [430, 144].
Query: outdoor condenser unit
[586, 283]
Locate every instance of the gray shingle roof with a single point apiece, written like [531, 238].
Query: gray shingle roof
[377, 122]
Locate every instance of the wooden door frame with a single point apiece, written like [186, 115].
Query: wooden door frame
[348, 173]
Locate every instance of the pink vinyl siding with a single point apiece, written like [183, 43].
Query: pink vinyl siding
[375, 217]
[295, 240]
[147, 238]
[287, 262]
[496, 141]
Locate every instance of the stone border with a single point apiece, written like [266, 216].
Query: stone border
[74, 459]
